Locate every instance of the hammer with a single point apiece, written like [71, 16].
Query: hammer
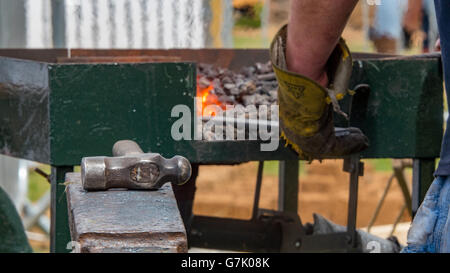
[131, 168]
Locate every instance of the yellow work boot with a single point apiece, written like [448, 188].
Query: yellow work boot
[306, 108]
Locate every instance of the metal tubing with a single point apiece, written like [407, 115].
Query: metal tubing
[399, 174]
[288, 186]
[257, 190]
[380, 203]
[353, 165]
[423, 169]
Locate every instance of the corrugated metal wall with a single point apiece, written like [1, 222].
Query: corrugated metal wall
[128, 23]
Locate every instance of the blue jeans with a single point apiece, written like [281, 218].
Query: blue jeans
[430, 230]
[443, 18]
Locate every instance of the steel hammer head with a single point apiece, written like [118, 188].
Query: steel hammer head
[132, 169]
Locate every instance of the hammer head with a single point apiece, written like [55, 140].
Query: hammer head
[133, 171]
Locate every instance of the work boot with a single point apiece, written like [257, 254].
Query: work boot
[306, 108]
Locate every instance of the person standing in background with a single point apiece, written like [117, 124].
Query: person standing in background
[421, 17]
[430, 26]
[386, 32]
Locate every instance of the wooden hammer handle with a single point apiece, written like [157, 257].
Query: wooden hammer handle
[126, 147]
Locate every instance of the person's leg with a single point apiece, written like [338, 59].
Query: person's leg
[432, 33]
[441, 236]
[426, 44]
[387, 28]
[443, 18]
[430, 228]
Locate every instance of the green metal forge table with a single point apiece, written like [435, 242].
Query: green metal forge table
[58, 106]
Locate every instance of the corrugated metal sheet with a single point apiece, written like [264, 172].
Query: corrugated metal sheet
[128, 23]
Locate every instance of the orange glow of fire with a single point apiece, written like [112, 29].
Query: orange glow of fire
[208, 98]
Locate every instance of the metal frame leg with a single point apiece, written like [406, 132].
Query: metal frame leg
[423, 170]
[355, 167]
[185, 195]
[258, 185]
[380, 203]
[288, 186]
[59, 230]
[398, 168]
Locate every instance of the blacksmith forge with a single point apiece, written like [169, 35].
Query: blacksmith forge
[57, 106]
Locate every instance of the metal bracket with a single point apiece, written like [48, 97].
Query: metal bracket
[292, 229]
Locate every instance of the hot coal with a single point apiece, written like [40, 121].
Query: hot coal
[254, 85]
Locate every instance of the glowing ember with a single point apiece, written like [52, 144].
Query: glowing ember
[208, 98]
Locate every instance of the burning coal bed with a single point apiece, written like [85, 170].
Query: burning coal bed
[237, 104]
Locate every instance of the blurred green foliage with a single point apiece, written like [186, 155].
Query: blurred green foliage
[271, 168]
[251, 18]
[37, 185]
[380, 165]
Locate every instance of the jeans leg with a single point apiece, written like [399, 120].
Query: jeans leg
[441, 234]
[445, 245]
[429, 230]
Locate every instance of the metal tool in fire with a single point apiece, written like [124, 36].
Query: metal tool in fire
[131, 168]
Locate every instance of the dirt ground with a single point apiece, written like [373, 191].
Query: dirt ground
[227, 191]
